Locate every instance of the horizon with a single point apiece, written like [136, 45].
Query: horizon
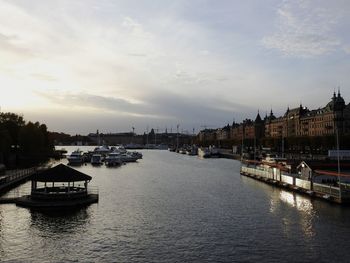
[84, 66]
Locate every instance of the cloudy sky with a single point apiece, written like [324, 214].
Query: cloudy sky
[82, 65]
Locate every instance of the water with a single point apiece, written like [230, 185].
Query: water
[176, 208]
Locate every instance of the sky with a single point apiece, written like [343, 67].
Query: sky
[83, 65]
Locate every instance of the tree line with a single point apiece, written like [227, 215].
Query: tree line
[23, 143]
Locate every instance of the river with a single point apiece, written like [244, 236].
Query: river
[169, 207]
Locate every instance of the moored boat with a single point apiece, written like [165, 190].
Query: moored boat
[113, 159]
[203, 152]
[96, 159]
[75, 158]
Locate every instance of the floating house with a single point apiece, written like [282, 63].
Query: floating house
[60, 186]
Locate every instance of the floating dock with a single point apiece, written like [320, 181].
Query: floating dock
[291, 182]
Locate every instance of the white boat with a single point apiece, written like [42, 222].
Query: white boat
[127, 157]
[113, 159]
[104, 150]
[96, 159]
[119, 149]
[76, 157]
[272, 159]
[203, 152]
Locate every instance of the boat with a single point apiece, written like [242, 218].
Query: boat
[103, 150]
[113, 159]
[172, 149]
[96, 159]
[182, 151]
[119, 149]
[128, 157]
[138, 155]
[272, 159]
[214, 152]
[192, 151]
[203, 152]
[75, 158]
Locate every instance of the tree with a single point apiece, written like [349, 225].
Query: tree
[12, 123]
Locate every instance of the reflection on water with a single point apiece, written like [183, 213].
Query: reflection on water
[305, 207]
[59, 221]
[295, 200]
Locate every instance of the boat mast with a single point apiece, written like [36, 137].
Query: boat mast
[242, 143]
[177, 138]
[338, 159]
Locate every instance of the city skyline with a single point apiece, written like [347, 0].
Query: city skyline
[113, 65]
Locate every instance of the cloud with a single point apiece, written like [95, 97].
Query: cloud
[86, 100]
[11, 44]
[137, 55]
[41, 76]
[347, 49]
[162, 106]
[304, 30]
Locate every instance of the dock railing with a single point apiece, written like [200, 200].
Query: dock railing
[12, 177]
[326, 189]
[18, 174]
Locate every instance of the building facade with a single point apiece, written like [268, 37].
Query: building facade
[302, 122]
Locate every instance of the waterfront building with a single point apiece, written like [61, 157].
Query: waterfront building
[301, 121]
[207, 135]
[249, 129]
[237, 132]
[294, 125]
[223, 133]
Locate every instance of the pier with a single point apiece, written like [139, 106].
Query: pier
[275, 176]
[15, 177]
